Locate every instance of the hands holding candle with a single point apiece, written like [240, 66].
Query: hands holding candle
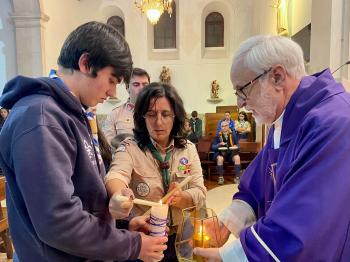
[152, 248]
[179, 198]
[120, 204]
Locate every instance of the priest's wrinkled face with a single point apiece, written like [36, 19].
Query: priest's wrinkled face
[255, 92]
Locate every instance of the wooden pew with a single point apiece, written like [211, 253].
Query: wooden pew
[212, 120]
[247, 152]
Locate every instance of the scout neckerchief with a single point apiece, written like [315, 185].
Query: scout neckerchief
[221, 135]
[93, 126]
[164, 167]
[163, 164]
[91, 120]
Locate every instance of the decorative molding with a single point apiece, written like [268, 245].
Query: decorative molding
[214, 100]
[26, 20]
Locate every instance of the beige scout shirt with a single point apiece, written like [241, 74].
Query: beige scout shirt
[140, 171]
[120, 120]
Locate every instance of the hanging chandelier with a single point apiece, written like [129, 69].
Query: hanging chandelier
[154, 8]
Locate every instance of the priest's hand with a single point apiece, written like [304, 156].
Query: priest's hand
[118, 207]
[216, 231]
[211, 254]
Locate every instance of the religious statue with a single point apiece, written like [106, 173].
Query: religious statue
[165, 75]
[282, 18]
[214, 89]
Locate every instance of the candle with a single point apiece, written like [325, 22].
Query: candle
[201, 239]
[169, 194]
[158, 220]
[137, 201]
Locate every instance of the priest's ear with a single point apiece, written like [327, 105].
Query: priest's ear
[279, 75]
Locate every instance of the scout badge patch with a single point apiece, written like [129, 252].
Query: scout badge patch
[142, 189]
[184, 166]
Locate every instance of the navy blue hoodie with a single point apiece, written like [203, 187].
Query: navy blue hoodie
[57, 202]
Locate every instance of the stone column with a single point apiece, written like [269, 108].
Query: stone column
[329, 35]
[29, 42]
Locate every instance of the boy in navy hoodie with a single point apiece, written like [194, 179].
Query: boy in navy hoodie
[56, 199]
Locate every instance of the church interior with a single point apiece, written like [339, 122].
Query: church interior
[189, 44]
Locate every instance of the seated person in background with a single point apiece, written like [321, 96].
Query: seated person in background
[3, 115]
[196, 124]
[190, 135]
[225, 147]
[230, 122]
[242, 126]
[120, 120]
[156, 158]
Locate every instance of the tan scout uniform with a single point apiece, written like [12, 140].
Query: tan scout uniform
[140, 171]
[120, 121]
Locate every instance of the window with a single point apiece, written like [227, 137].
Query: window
[165, 31]
[118, 23]
[214, 30]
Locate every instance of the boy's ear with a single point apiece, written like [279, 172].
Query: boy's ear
[84, 63]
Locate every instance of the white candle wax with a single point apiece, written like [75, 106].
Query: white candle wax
[159, 215]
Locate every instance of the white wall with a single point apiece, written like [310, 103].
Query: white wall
[7, 45]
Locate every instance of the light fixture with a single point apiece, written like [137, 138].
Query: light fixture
[154, 8]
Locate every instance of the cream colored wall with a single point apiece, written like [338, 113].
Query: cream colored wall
[299, 14]
[194, 67]
[191, 73]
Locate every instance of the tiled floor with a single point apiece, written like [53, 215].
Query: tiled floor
[213, 182]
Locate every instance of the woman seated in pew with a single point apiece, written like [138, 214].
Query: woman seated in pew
[242, 126]
[155, 159]
[226, 148]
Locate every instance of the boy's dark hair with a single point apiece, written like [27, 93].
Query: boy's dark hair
[194, 114]
[105, 149]
[157, 90]
[103, 44]
[136, 71]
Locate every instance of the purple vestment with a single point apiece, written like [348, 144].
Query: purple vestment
[300, 192]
